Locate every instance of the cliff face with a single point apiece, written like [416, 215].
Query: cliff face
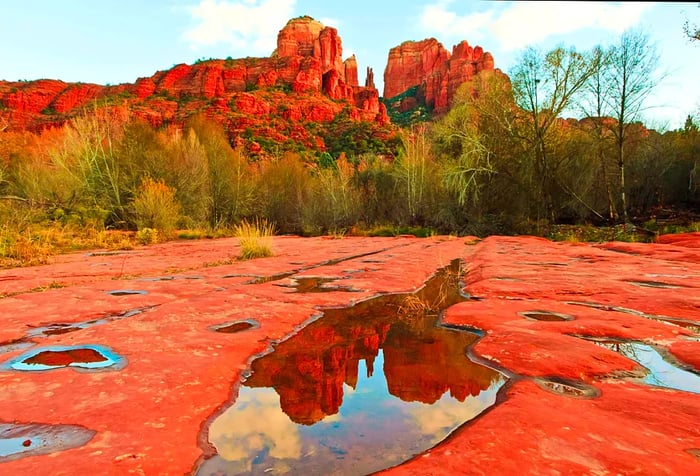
[308, 61]
[434, 70]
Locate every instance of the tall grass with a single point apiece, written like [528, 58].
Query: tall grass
[255, 238]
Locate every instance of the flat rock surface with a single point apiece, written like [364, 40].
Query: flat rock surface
[156, 307]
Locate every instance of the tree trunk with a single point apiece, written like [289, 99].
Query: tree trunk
[621, 166]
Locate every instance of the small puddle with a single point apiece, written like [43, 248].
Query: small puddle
[85, 357]
[237, 326]
[66, 327]
[358, 390]
[545, 316]
[661, 373]
[567, 387]
[265, 279]
[126, 292]
[19, 441]
[312, 284]
[59, 328]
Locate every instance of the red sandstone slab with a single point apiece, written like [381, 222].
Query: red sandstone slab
[149, 416]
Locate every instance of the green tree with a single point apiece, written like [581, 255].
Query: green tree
[231, 184]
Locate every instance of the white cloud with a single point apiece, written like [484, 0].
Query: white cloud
[526, 23]
[251, 25]
[334, 22]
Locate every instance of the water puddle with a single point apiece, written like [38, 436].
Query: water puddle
[85, 357]
[237, 326]
[126, 292]
[567, 387]
[312, 284]
[545, 316]
[19, 441]
[59, 328]
[356, 391]
[661, 372]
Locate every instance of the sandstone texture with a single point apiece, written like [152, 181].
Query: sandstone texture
[434, 70]
[155, 306]
[307, 63]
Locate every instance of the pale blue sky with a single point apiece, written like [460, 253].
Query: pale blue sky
[116, 41]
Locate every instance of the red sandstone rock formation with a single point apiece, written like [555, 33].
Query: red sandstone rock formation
[350, 66]
[369, 80]
[430, 66]
[308, 60]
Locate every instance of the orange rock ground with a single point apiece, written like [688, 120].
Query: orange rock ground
[149, 415]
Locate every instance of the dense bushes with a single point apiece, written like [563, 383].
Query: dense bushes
[469, 172]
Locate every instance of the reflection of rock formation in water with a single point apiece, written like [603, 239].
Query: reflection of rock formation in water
[422, 361]
[309, 370]
[422, 364]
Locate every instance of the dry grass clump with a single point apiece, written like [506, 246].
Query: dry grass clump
[255, 238]
[440, 293]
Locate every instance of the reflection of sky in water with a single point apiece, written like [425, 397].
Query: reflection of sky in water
[18, 441]
[373, 430]
[661, 372]
[255, 425]
[9, 446]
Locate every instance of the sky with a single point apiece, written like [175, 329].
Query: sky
[118, 41]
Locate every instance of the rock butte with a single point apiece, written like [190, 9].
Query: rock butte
[308, 61]
[149, 417]
[437, 73]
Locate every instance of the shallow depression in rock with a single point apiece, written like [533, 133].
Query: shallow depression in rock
[21, 440]
[662, 373]
[126, 292]
[546, 316]
[567, 387]
[236, 326]
[88, 357]
[655, 284]
[313, 284]
[356, 391]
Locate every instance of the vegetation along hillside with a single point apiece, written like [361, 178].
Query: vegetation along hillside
[455, 146]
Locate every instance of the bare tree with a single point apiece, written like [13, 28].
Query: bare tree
[594, 106]
[544, 86]
[630, 79]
